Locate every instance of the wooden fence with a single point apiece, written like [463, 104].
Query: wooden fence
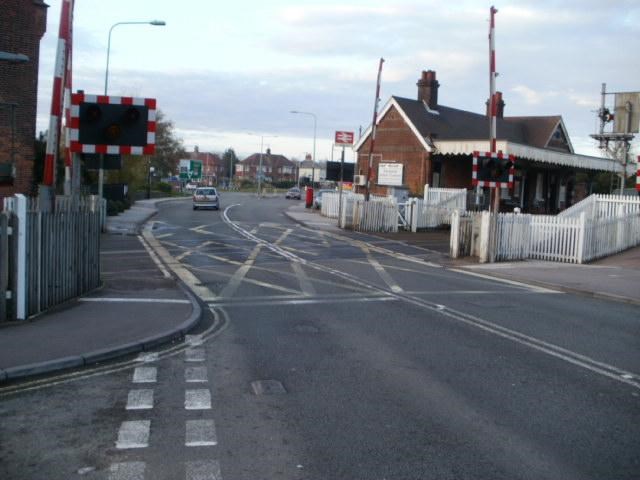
[57, 253]
[375, 216]
[603, 206]
[331, 202]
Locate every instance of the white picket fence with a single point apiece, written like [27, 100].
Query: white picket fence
[331, 202]
[436, 207]
[449, 198]
[603, 206]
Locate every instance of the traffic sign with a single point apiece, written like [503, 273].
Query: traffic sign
[344, 138]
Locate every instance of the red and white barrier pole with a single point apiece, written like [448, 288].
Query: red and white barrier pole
[68, 159]
[492, 98]
[638, 177]
[53, 137]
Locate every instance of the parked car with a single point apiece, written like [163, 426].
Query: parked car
[317, 202]
[294, 193]
[206, 197]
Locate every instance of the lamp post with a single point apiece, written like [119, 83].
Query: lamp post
[259, 172]
[313, 160]
[155, 23]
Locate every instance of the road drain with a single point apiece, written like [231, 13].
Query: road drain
[267, 387]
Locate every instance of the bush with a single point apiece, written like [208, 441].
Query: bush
[112, 208]
[164, 187]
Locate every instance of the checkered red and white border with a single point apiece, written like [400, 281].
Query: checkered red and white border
[74, 132]
[483, 183]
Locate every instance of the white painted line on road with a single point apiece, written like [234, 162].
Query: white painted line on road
[195, 375]
[203, 470]
[302, 301]
[164, 235]
[181, 272]
[145, 375]
[199, 399]
[140, 400]
[127, 471]
[154, 257]
[504, 280]
[133, 300]
[184, 255]
[200, 433]
[305, 284]
[193, 340]
[286, 233]
[194, 355]
[147, 357]
[230, 288]
[386, 278]
[134, 434]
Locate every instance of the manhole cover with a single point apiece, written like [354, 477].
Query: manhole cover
[267, 387]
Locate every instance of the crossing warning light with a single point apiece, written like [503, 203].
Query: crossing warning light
[112, 125]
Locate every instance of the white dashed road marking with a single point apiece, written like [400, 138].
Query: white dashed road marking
[140, 400]
[145, 375]
[147, 357]
[203, 470]
[134, 434]
[199, 399]
[194, 354]
[200, 433]
[127, 471]
[195, 374]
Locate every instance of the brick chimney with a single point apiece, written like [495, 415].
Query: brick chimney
[499, 106]
[428, 89]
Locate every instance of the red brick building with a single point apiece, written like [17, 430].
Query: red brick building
[213, 169]
[22, 25]
[435, 144]
[275, 168]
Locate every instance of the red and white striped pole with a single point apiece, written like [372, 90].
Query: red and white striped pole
[638, 177]
[68, 157]
[53, 137]
[373, 129]
[492, 97]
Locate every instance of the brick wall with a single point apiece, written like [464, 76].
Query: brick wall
[22, 24]
[396, 142]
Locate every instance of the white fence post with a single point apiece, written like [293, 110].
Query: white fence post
[581, 237]
[454, 239]
[485, 234]
[21, 281]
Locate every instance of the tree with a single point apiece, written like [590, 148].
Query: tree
[229, 160]
[169, 148]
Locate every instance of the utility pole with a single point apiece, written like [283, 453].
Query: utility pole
[373, 131]
[492, 99]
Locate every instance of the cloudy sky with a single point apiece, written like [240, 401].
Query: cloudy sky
[224, 70]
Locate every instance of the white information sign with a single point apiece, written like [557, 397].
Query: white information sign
[390, 174]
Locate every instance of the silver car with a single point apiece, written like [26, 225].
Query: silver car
[206, 197]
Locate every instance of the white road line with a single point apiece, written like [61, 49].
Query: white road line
[164, 235]
[194, 355]
[185, 275]
[199, 399]
[195, 375]
[154, 257]
[230, 288]
[132, 300]
[203, 470]
[184, 255]
[148, 357]
[140, 400]
[134, 434]
[286, 233]
[386, 278]
[504, 280]
[302, 301]
[145, 375]
[127, 471]
[305, 284]
[200, 433]
[193, 340]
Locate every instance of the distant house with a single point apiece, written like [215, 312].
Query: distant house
[22, 25]
[213, 169]
[275, 167]
[307, 168]
[435, 144]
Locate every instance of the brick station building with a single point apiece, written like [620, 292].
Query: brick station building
[435, 144]
[22, 25]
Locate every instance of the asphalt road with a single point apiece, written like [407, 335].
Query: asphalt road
[348, 357]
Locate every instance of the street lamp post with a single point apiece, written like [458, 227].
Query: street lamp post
[313, 160]
[155, 23]
[259, 172]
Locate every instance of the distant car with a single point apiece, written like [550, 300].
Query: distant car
[206, 197]
[317, 202]
[294, 193]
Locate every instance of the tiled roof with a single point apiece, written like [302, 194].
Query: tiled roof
[454, 124]
[272, 159]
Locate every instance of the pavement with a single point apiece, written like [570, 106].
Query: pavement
[140, 306]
